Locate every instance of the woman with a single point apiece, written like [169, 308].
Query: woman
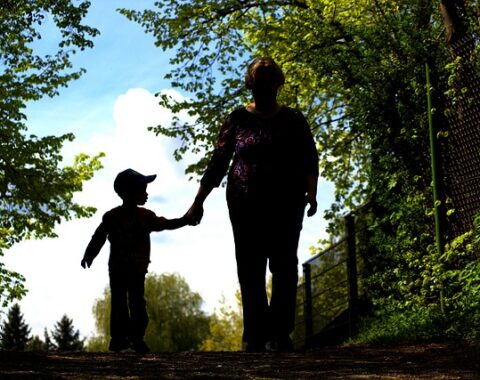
[272, 177]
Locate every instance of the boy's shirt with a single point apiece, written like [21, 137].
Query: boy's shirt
[128, 231]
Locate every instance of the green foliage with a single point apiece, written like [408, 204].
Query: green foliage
[413, 325]
[65, 337]
[445, 306]
[459, 274]
[36, 193]
[15, 333]
[177, 322]
[11, 285]
[226, 327]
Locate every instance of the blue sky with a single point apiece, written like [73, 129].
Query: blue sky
[109, 109]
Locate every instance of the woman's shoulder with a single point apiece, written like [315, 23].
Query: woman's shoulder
[242, 113]
[295, 117]
[238, 112]
[292, 111]
[291, 115]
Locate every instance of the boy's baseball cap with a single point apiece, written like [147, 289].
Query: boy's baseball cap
[130, 178]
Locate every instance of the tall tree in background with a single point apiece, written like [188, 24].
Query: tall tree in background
[101, 312]
[65, 338]
[35, 344]
[15, 333]
[177, 322]
[36, 192]
[357, 71]
[47, 341]
[225, 328]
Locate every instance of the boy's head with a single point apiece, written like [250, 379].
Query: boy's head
[130, 185]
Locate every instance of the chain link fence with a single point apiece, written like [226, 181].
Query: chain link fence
[461, 146]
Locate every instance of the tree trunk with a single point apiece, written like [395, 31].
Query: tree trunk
[451, 11]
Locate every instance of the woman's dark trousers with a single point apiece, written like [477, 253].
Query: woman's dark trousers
[264, 233]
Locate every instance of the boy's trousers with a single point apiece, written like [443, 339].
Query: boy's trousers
[128, 315]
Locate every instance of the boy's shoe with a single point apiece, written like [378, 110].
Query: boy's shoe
[117, 345]
[140, 347]
[285, 344]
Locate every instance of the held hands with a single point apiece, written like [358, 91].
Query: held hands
[195, 214]
[86, 263]
[312, 201]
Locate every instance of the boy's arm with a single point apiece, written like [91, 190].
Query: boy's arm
[95, 245]
[160, 223]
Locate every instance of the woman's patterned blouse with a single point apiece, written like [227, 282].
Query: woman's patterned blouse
[271, 156]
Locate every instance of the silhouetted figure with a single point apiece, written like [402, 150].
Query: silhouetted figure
[272, 177]
[128, 228]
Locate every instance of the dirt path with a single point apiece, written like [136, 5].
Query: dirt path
[429, 361]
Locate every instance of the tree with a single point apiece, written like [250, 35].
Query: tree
[226, 327]
[226, 324]
[15, 332]
[36, 192]
[65, 337]
[101, 312]
[177, 322]
[35, 344]
[451, 10]
[342, 61]
[48, 345]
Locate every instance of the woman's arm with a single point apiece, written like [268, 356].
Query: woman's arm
[216, 169]
[311, 196]
[195, 213]
[309, 163]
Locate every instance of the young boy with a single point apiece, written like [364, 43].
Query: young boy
[128, 228]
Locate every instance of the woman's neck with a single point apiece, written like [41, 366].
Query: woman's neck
[264, 107]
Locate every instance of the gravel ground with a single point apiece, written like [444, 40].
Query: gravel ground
[424, 361]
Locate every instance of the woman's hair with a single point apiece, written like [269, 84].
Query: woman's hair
[267, 63]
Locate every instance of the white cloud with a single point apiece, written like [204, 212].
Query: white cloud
[204, 255]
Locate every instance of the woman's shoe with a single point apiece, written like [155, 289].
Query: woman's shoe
[140, 347]
[117, 345]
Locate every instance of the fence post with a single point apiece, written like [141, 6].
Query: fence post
[307, 304]
[351, 270]
[437, 190]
